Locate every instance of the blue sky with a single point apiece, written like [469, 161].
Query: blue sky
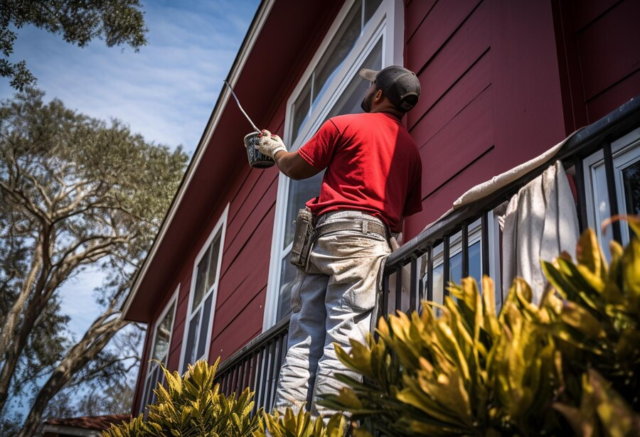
[165, 92]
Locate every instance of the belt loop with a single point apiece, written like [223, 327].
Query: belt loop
[365, 227]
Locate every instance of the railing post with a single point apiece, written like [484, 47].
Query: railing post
[611, 190]
[465, 250]
[413, 286]
[430, 275]
[446, 273]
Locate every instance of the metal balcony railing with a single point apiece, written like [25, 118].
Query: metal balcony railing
[257, 364]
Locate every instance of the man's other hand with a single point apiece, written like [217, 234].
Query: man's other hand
[270, 144]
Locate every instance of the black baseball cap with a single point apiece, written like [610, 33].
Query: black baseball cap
[399, 85]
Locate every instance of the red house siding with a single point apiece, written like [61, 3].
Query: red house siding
[490, 93]
[502, 81]
[599, 53]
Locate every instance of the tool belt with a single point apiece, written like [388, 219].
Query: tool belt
[307, 232]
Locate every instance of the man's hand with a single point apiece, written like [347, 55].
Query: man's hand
[270, 144]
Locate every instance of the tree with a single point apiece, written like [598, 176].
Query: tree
[79, 21]
[75, 192]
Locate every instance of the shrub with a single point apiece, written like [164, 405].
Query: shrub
[532, 370]
[192, 406]
[300, 425]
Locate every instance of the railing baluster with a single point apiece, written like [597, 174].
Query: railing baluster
[430, 275]
[252, 372]
[398, 288]
[275, 371]
[256, 382]
[583, 220]
[413, 286]
[268, 374]
[484, 259]
[234, 379]
[465, 250]
[261, 378]
[446, 274]
[611, 190]
[385, 297]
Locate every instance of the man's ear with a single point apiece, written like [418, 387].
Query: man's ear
[378, 96]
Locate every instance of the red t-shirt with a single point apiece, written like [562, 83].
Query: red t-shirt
[372, 163]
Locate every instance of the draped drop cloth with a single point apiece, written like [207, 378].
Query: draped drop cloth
[540, 222]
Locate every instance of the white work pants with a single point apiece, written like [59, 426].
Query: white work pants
[332, 302]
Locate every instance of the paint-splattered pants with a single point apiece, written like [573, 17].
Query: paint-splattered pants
[332, 302]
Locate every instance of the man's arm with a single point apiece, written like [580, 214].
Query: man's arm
[291, 164]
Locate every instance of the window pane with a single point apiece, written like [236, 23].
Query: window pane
[475, 262]
[455, 269]
[351, 98]
[287, 275]
[204, 327]
[349, 103]
[438, 284]
[370, 7]
[631, 183]
[190, 352]
[201, 274]
[213, 262]
[340, 46]
[163, 334]
[301, 109]
[299, 193]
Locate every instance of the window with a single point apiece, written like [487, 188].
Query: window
[202, 303]
[159, 351]
[367, 33]
[626, 172]
[475, 260]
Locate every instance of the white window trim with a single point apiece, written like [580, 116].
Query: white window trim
[625, 150]
[221, 226]
[173, 300]
[388, 23]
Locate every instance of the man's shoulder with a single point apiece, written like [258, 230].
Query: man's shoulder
[348, 119]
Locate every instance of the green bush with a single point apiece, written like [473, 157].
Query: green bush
[300, 425]
[193, 406]
[531, 370]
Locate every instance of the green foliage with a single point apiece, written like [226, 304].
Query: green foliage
[301, 425]
[75, 193]
[469, 371]
[599, 326]
[193, 406]
[79, 21]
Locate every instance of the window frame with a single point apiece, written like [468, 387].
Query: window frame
[173, 300]
[625, 151]
[221, 226]
[386, 23]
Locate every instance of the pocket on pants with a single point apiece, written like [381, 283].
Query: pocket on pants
[363, 296]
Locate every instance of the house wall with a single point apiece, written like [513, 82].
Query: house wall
[490, 92]
[499, 81]
[599, 53]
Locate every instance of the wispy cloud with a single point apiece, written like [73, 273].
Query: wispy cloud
[167, 90]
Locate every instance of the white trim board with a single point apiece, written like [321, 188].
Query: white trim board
[221, 226]
[149, 364]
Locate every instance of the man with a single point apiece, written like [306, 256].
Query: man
[372, 181]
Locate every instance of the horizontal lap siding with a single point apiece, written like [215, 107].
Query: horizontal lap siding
[452, 123]
[490, 93]
[608, 42]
